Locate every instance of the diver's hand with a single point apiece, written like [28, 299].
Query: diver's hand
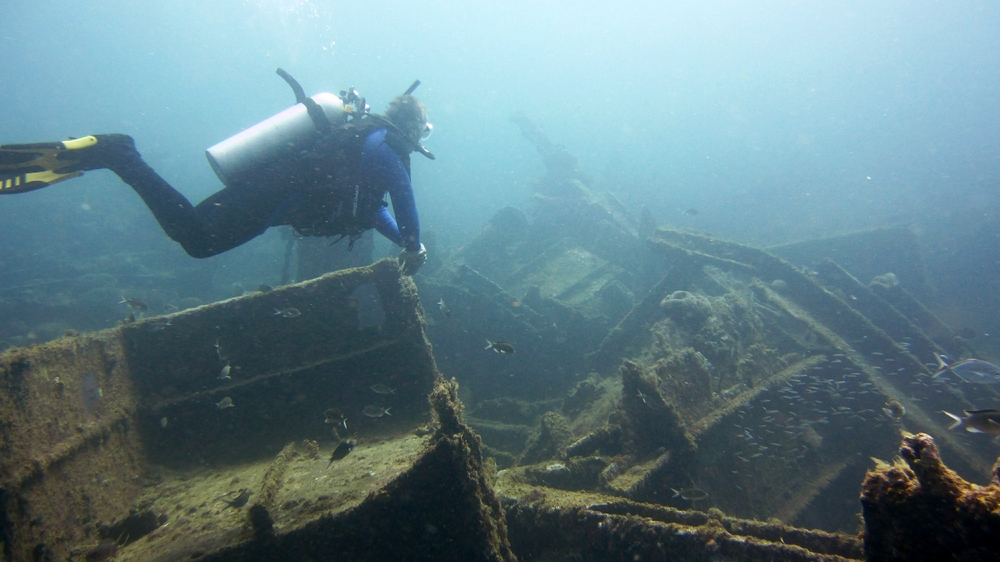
[411, 261]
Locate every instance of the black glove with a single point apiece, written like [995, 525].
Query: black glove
[411, 261]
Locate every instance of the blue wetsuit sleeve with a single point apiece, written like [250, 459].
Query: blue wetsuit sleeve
[385, 172]
[385, 224]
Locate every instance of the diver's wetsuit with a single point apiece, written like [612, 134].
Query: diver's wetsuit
[300, 194]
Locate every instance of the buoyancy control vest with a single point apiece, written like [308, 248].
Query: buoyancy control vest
[331, 195]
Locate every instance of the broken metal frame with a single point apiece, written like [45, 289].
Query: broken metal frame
[82, 419]
[872, 337]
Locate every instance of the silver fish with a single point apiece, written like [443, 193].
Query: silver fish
[135, 304]
[290, 312]
[240, 500]
[157, 324]
[970, 370]
[382, 389]
[501, 347]
[376, 411]
[224, 374]
[226, 402]
[335, 417]
[444, 309]
[692, 494]
[977, 421]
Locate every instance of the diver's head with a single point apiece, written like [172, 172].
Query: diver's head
[410, 115]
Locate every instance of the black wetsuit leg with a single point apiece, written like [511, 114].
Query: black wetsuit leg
[224, 220]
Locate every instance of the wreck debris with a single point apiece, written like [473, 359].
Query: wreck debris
[651, 450]
[88, 451]
[919, 509]
[549, 442]
[627, 531]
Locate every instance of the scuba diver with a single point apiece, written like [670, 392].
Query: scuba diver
[323, 167]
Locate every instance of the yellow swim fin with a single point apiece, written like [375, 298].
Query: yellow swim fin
[26, 167]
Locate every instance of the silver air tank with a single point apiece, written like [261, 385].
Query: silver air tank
[271, 138]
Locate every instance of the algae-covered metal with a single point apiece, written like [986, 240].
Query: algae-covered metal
[90, 422]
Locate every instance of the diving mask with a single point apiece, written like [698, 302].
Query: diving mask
[418, 130]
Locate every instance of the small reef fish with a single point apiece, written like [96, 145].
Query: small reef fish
[690, 494]
[382, 389]
[264, 288]
[977, 421]
[444, 309]
[169, 308]
[341, 451]
[290, 312]
[224, 373]
[894, 409]
[970, 370]
[501, 347]
[376, 411]
[965, 333]
[240, 500]
[226, 402]
[164, 421]
[335, 417]
[157, 324]
[135, 304]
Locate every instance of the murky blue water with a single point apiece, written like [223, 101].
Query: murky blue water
[764, 123]
[777, 122]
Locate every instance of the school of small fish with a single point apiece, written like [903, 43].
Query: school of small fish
[830, 398]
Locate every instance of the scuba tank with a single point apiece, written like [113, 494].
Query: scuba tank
[284, 133]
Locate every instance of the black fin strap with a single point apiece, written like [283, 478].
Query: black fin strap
[319, 119]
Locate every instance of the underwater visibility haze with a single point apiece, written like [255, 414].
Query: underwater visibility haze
[792, 126]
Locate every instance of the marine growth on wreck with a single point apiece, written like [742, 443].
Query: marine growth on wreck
[643, 393]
